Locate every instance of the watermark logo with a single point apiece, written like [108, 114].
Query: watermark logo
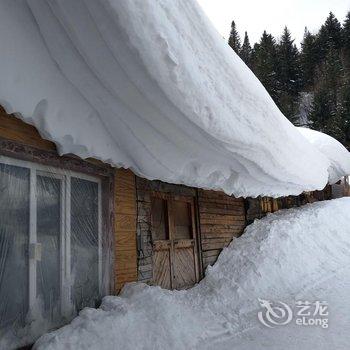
[273, 314]
[306, 313]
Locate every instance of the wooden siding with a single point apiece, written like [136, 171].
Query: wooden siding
[125, 228]
[14, 129]
[257, 208]
[221, 218]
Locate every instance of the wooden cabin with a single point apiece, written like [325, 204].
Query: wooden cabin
[74, 230]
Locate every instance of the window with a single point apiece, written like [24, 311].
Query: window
[159, 213]
[50, 246]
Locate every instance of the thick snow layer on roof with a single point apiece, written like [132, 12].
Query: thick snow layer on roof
[150, 85]
[337, 154]
[293, 255]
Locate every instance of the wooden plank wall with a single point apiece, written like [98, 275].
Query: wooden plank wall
[221, 218]
[125, 228]
[14, 129]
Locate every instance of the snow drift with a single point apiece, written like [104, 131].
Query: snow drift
[150, 85]
[337, 154]
[296, 254]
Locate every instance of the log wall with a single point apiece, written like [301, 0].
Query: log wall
[221, 218]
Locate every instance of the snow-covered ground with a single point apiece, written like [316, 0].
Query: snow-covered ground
[293, 255]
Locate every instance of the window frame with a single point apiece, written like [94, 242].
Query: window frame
[65, 175]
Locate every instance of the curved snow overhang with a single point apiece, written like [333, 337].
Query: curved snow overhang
[338, 155]
[151, 86]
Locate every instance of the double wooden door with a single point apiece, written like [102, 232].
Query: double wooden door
[175, 254]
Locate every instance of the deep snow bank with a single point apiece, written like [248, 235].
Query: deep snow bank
[337, 154]
[296, 254]
[150, 85]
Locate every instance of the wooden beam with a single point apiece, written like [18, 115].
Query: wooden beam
[125, 229]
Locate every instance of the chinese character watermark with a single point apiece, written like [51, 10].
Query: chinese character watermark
[306, 313]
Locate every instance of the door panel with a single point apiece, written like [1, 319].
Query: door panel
[162, 264]
[174, 258]
[184, 244]
[182, 220]
[159, 218]
[184, 267]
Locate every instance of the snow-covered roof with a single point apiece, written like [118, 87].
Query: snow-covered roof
[337, 154]
[151, 86]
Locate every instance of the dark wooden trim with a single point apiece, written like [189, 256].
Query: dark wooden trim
[108, 219]
[199, 238]
[51, 158]
[246, 207]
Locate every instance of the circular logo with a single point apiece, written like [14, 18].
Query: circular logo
[274, 315]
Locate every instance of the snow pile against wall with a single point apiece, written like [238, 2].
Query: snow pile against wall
[296, 254]
[337, 154]
[152, 86]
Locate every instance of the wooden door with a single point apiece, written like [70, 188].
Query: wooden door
[161, 243]
[175, 258]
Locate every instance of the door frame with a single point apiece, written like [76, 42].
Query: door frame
[192, 200]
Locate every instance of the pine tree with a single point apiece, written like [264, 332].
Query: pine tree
[234, 40]
[332, 73]
[288, 74]
[329, 36]
[308, 60]
[246, 50]
[321, 111]
[346, 44]
[346, 32]
[324, 115]
[344, 113]
[264, 64]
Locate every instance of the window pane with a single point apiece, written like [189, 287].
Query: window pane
[84, 243]
[48, 235]
[182, 217]
[14, 233]
[159, 219]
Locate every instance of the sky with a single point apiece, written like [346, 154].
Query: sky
[272, 15]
